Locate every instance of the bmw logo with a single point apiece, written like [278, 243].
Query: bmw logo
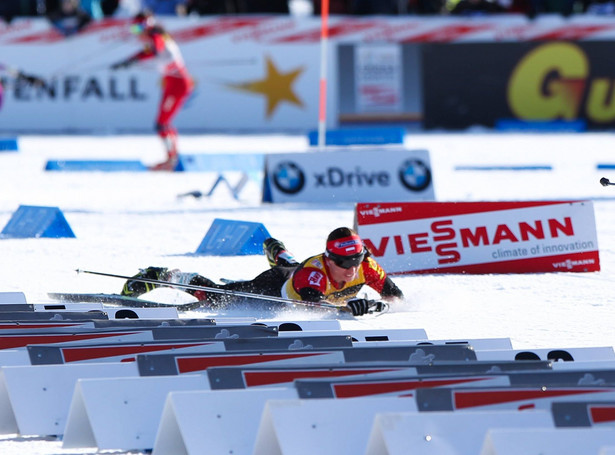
[414, 175]
[288, 177]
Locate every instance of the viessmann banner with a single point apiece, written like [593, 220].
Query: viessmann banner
[481, 237]
[351, 175]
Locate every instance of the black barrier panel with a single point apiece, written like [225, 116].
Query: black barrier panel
[242, 377]
[52, 316]
[113, 352]
[513, 397]
[145, 323]
[109, 352]
[169, 364]
[582, 413]
[402, 385]
[213, 332]
[382, 384]
[7, 307]
[470, 84]
[482, 367]
[254, 376]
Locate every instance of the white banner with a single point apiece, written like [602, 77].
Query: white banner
[378, 78]
[352, 175]
[481, 237]
[253, 73]
[241, 82]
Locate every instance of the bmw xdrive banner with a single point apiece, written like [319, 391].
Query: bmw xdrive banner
[481, 237]
[349, 175]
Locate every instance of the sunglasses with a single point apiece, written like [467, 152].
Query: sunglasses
[346, 262]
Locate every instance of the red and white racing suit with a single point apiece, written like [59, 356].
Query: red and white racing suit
[177, 84]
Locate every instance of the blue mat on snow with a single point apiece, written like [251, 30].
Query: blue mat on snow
[8, 144]
[221, 162]
[360, 136]
[520, 167]
[540, 126]
[37, 221]
[96, 165]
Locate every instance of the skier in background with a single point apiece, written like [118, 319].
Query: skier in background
[177, 84]
[18, 76]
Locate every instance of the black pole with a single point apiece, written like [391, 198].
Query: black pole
[227, 292]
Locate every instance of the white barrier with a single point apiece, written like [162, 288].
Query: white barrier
[114, 312]
[306, 325]
[559, 441]
[123, 413]
[368, 335]
[450, 433]
[224, 421]
[73, 306]
[331, 426]
[586, 354]
[14, 357]
[488, 344]
[507, 398]
[13, 297]
[39, 396]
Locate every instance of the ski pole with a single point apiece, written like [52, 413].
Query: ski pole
[226, 292]
[605, 182]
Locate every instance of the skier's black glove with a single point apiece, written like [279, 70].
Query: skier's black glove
[122, 64]
[358, 306]
[29, 79]
[377, 306]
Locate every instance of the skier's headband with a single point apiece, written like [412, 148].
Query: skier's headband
[141, 22]
[346, 252]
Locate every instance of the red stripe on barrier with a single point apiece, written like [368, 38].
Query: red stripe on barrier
[475, 398]
[190, 364]
[99, 352]
[376, 388]
[256, 378]
[602, 414]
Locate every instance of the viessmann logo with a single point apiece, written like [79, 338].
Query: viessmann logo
[289, 178]
[570, 264]
[508, 240]
[377, 211]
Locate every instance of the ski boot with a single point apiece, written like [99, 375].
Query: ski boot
[203, 295]
[135, 288]
[277, 254]
[168, 165]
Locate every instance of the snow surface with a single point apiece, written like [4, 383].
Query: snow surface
[127, 221]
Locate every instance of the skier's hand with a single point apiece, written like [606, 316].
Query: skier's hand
[358, 306]
[120, 65]
[377, 306]
[30, 79]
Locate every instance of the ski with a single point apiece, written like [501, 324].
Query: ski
[233, 295]
[117, 299]
[230, 304]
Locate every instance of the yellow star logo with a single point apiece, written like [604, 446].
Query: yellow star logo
[276, 86]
